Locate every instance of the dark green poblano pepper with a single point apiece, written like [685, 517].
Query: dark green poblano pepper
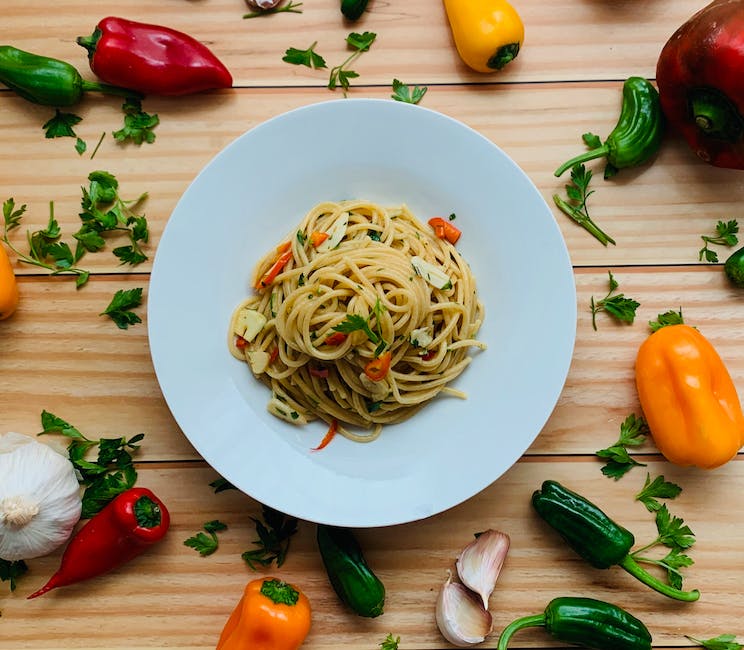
[47, 81]
[637, 135]
[586, 622]
[596, 537]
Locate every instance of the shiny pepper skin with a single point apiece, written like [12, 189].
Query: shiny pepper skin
[8, 287]
[271, 615]
[688, 398]
[488, 34]
[699, 74]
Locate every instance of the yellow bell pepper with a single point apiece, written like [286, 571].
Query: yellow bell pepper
[688, 398]
[8, 286]
[271, 615]
[488, 34]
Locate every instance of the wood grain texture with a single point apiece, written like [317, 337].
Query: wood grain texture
[171, 597]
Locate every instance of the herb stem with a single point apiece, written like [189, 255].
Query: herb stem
[583, 220]
[630, 565]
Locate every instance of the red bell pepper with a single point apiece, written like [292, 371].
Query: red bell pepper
[152, 59]
[699, 75]
[126, 527]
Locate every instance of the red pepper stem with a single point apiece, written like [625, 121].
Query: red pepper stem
[632, 567]
[108, 89]
[599, 152]
[715, 115]
[537, 620]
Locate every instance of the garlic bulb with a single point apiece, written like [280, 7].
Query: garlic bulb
[480, 562]
[40, 500]
[262, 4]
[461, 618]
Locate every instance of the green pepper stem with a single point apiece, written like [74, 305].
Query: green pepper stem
[110, 90]
[599, 152]
[537, 620]
[632, 567]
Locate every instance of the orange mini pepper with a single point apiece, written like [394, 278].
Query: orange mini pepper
[688, 398]
[8, 286]
[271, 615]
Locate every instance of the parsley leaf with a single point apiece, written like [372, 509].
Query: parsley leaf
[657, 489]
[633, 432]
[112, 472]
[121, 305]
[578, 192]
[617, 305]
[356, 323]
[308, 57]
[206, 544]
[291, 7]
[274, 534]
[667, 318]
[11, 215]
[721, 642]
[403, 93]
[390, 643]
[221, 484]
[672, 530]
[60, 125]
[11, 571]
[340, 74]
[138, 125]
[726, 232]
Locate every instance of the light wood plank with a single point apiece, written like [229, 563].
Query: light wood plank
[171, 597]
[570, 40]
[101, 378]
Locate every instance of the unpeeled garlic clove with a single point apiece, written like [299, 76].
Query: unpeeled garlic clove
[480, 562]
[262, 4]
[461, 618]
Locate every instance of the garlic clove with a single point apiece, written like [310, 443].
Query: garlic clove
[480, 562]
[262, 4]
[461, 618]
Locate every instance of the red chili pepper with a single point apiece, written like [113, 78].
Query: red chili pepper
[318, 371]
[378, 367]
[270, 275]
[699, 78]
[337, 338]
[125, 528]
[332, 430]
[240, 343]
[152, 59]
[445, 230]
[274, 354]
[317, 238]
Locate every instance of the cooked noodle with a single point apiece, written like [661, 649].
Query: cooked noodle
[369, 273]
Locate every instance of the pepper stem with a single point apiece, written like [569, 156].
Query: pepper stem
[632, 567]
[110, 90]
[280, 592]
[715, 115]
[599, 152]
[536, 620]
[505, 54]
[147, 513]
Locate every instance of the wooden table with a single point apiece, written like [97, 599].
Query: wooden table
[58, 354]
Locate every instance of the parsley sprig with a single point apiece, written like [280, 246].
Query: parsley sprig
[633, 432]
[11, 571]
[720, 642]
[615, 304]
[274, 534]
[308, 57]
[110, 474]
[138, 125]
[726, 235]
[356, 323]
[578, 193]
[61, 125]
[206, 542]
[120, 308]
[341, 75]
[406, 94]
[657, 489]
[667, 318]
[390, 643]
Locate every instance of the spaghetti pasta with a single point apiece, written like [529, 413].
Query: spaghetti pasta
[364, 286]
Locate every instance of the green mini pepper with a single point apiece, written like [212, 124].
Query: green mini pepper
[587, 622]
[596, 537]
[637, 135]
[47, 81]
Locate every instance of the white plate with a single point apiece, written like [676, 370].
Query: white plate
[249, 197]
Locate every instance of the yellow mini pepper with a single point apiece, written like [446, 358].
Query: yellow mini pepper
[271, 615]
[8, 286]
[688, 398]
[488, 34]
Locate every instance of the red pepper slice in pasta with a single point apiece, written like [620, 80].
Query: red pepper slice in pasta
[445, 230]
[378, 368]
[276, 268]
[330, 434]
[317, 238]
[337, 338]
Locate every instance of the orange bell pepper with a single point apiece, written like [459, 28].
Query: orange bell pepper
[688, 398]
[8, 286]
[271, 615]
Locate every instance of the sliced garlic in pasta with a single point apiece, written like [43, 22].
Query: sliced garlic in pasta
[285, 412]
[249, 323]
[335, 234]
[433, 274]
